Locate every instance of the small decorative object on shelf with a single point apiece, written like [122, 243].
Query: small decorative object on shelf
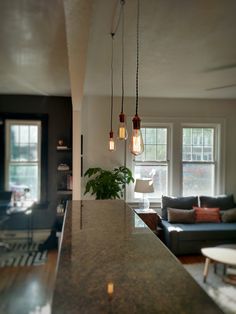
[61, 145]
[61, 208]
[63, 167]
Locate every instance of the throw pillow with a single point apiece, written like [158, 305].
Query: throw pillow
[181, 215]
[229, 215]
[224, 202]
[186, 202]
[204, 214]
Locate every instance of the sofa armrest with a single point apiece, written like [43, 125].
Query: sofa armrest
[171, 236]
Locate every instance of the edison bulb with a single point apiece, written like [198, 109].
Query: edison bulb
[136, 144]
[111, 143]
[122, 130]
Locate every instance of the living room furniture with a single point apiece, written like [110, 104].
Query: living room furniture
[5, 203]
[27, 211]
[151, 219]
[190, 238]
[224, 254]
[105, 266]
[144, 186]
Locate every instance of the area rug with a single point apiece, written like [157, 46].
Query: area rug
[22, 254]
[222, 293]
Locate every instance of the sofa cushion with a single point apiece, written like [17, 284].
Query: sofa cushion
[229, 215]
[181, 215]
[186, 202]
[204, 231]
[224, 202]
[207, 214]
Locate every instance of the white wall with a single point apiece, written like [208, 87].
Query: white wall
[96, 127]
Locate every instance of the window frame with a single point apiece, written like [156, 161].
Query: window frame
[167, 162]
[8, 123]
[217, 154]
[175, 125]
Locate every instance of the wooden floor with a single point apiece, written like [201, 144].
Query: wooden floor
[191, 259]
[28, 290]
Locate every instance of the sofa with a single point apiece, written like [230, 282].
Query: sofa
[184, 233]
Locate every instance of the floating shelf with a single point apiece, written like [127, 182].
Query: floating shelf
[64, 149]
[70, 171]
[64, 192]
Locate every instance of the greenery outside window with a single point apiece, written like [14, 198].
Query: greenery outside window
[23, 157]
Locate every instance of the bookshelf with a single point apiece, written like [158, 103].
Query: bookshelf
[64, 177]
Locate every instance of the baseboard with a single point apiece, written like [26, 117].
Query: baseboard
[39, 235]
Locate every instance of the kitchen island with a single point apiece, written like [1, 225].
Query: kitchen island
[107, 265]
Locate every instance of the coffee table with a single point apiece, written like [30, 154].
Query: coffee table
[224, 254]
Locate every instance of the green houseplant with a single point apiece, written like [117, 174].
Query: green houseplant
[107, 184]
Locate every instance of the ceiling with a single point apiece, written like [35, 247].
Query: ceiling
[187, 48]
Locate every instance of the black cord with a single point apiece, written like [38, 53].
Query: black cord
[112, 37]
[137, 68]
[118, 21]
[113, 33]
[122, 65]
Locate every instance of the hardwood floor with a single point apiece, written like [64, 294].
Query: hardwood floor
[191, 259]
[28, 290]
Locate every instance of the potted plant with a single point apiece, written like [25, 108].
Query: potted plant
[107, 184]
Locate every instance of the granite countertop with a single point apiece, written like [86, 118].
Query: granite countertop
[107, 265]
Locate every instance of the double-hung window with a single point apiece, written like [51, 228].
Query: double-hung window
[198, 160]
[153, 162]
[23, 157]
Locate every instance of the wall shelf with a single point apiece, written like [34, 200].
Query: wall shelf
[64, 192]
[64, 177]
[64, 149]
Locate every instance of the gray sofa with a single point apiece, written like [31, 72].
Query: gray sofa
[189, 238]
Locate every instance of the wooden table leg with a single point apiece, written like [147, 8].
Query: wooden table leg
[206, 268]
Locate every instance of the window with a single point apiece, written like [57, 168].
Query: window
[153, 162]
[198, 160]
[23, 157]
[184, 156]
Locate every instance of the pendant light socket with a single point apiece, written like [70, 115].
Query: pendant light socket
[136, 122]
[122, 117]
[111, 134]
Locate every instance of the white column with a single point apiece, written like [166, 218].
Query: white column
[76, 166]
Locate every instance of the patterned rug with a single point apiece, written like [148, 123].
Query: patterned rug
[22, 254]
[222, 293]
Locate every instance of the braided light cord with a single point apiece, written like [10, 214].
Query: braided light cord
[122, 65]
[137, 68]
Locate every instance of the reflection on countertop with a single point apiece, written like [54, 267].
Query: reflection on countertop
[107, 265]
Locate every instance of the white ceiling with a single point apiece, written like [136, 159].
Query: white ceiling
[187, 48]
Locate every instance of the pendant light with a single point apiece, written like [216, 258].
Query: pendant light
[111, 135]
[122, 129]
[136, 143]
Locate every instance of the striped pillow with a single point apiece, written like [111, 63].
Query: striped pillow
[204, 214]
